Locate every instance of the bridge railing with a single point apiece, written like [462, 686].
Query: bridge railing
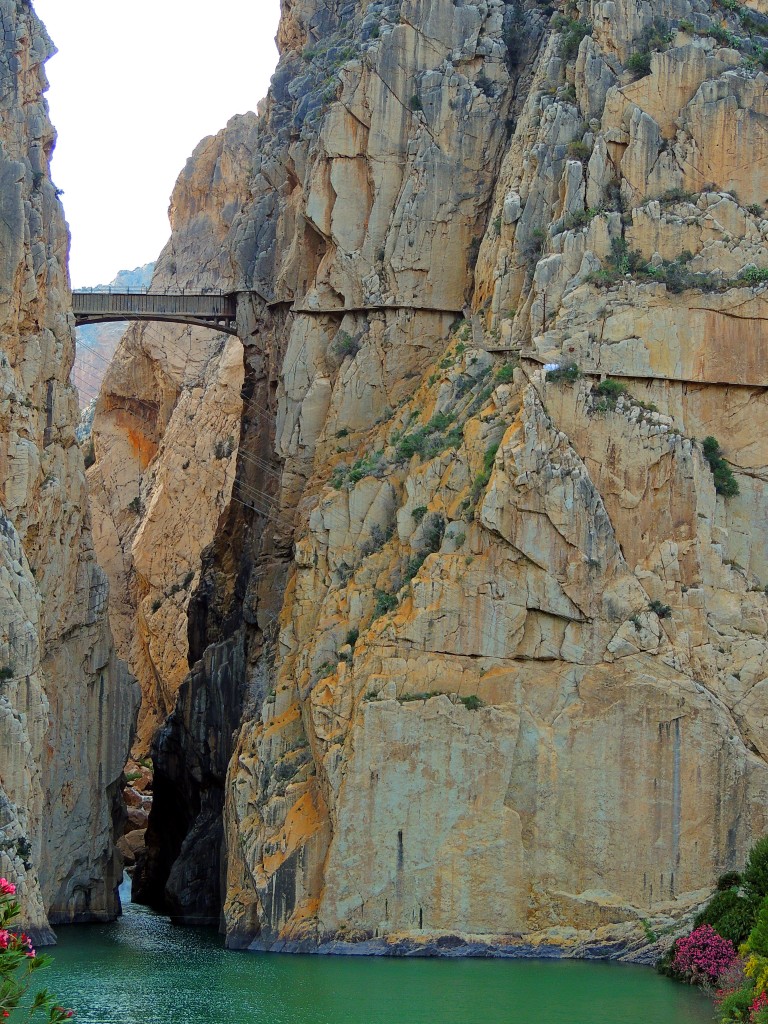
[210, 304]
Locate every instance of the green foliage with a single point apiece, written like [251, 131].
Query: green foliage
[758, 937]
[533, 247]
[433, 531]
[735, 1005]
[419, 512]
[579, 151]
[729, 880]
[675, 195]
[724, 37]
[754, 275]
[345, 345]
[567, 374]
[482, 478]
[754, 878]
[18, 963]
[725, 482]
[352, 637]
[505, 373]
[472, 702]
[609, 391]
[731, 915]
[662, 610]
[366, 465]
[384, 603]
[430, 440]
[580, 218]
[6, 672]
[416, 102]
[639, 63]
[135, 504]
[572, 32]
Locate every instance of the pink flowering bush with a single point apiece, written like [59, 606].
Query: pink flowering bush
[18, 962]
[703, 955]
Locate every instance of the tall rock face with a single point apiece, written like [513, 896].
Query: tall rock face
[66, 704]
[492, 618]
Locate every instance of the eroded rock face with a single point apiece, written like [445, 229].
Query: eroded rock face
[501, 644]
[66, 704]
[165, 429]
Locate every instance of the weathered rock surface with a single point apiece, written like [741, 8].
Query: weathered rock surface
[66, 704]
[165, 429]
[497, 647]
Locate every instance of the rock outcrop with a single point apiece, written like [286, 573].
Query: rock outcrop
[67, 705]
[497, 643]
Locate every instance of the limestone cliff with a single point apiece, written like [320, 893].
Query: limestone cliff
[66, 704]
[497, 643]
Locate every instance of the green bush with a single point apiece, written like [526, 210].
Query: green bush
[729, 880]
[579, 151]
[662, 610]
[735, 1005]
[567, 374]
[730, 915]
[505, 373]
[639, 63]
[754, 878]
[754, 275]
[610, 390]
[433, 531]
[345, 345]
[725, 482]
[573, 31]
[384, 603]
[472, 702]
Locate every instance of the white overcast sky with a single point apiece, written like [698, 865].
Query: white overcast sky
[134, 87]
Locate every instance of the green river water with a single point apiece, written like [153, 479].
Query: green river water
[143, 970]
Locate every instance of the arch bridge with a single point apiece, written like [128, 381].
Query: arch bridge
[217, 310]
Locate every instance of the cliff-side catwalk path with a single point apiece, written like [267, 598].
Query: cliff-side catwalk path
[217, 310]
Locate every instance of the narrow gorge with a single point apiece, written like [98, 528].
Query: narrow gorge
[444, 582]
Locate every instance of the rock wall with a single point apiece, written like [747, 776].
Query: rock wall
[66, 704]
[500, 643]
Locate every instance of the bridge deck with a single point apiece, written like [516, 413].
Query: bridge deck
[215, 310]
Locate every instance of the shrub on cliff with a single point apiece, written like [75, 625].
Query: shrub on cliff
[725, 484]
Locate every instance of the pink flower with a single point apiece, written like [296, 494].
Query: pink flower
[5, 938]
[7, 888]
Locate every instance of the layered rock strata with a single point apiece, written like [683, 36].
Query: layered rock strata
[496, 642]
[66, 704]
